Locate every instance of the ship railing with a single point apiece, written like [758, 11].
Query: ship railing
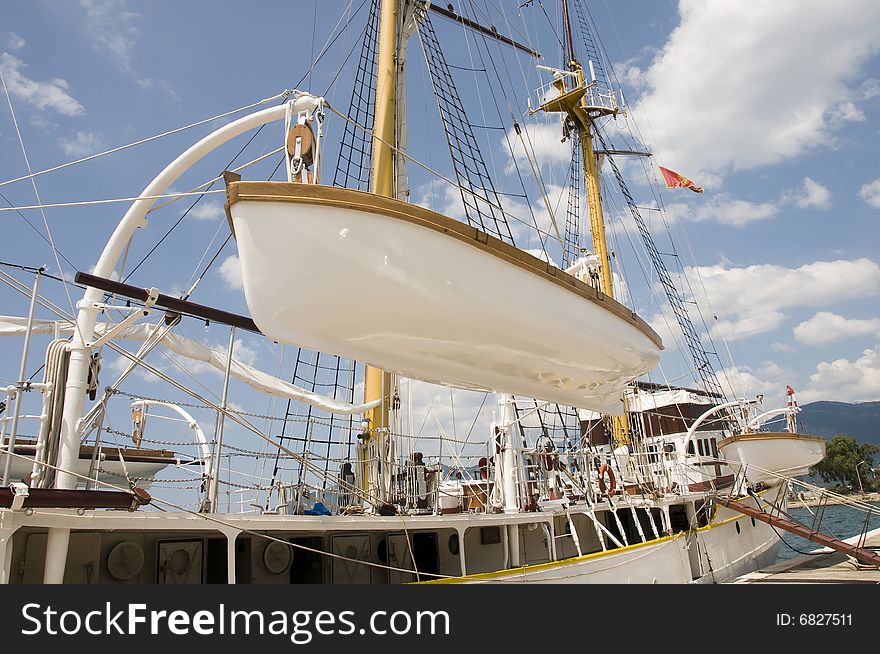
[10, 420]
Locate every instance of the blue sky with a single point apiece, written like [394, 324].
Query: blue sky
[771, 106]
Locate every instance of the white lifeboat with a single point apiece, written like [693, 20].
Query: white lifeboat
[769, 455]
[411, 291]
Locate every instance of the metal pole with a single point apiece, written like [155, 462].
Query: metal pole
[21, 378]
[213, 497]
[861, 489]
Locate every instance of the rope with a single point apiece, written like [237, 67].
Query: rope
[31, 175]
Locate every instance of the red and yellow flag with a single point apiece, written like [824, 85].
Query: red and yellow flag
[676, 180]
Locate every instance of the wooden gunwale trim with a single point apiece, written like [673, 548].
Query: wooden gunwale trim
[768, 436]
[349, 199]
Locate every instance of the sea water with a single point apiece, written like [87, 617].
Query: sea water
[837, 520]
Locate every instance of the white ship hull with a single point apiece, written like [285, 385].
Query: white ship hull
[379, 549]
[406, 289]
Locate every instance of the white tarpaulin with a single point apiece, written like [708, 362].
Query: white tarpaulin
[185, 347]
[643, 400]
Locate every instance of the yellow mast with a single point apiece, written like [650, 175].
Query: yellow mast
[377, 382]
[575, 103]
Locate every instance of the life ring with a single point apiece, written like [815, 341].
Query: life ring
[484, 467]
[612, 482]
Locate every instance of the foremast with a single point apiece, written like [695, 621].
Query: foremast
[583, 105]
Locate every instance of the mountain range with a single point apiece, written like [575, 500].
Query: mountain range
[861, 420]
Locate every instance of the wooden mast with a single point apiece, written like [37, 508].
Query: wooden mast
[377, 382]
[576, 103]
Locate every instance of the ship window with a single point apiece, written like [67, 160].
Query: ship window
[691, 448]
[490, 535]
[700, 447]
[714, 445]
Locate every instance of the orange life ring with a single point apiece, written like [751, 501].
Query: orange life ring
[612, 482]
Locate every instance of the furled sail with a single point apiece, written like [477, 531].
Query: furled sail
[185, 347]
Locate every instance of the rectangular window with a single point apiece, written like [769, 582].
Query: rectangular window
[700, 447]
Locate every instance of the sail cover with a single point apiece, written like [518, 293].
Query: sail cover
[185, 347]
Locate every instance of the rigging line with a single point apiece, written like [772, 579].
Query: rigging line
[36, 192]
[344, 61]
[211, 181]
[328, 43]
[38, 232]
[146, 140]
[434, 172]
[535, 170]
[86, 203]
[191, 207]
[479, 102]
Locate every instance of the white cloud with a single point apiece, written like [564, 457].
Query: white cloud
[870, 193]
[752, 300]
[782, 347]
[846, 112]
[15, 42]
[845, 380]
[207, 210]
[810, 195]
[827, 327]
[722, 208]
[735, 330]
[51, 94]
[542, 140]
[230, 271]
[764, 288]
[757, 69]
[543, 256]
[243, 353]
[768, 380]
[464, 415]
[81, 144]
[112, 27]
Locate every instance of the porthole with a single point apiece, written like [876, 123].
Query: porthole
[454, 544]
[737, 528]
[754, 524]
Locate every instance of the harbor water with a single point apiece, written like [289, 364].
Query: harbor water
[837, 520]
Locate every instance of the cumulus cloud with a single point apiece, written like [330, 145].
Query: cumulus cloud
[752, 300]
[542, 140]
[748, 326]
[826, 327]
[52, 94]
[723, 65]
[723, 209]
[810, 195]
[230, 271]
[769, 380]
[81, 144]
[206, 210]
[845, 380]
[870, 193]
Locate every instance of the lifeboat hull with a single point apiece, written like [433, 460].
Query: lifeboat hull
[408, 290]
[765, 453]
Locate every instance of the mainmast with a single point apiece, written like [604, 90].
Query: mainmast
[378, 382]
[583, 104]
